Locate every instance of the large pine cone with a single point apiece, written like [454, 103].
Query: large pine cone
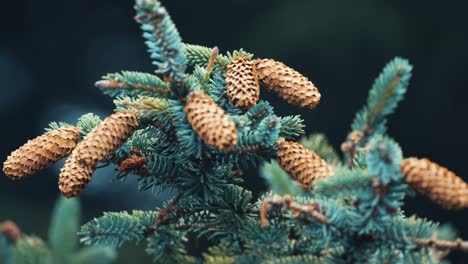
[41, 152]
[210, 122]
[302, 164]
[107, 137]
[289, 84]
[441, 185]
[242, 84]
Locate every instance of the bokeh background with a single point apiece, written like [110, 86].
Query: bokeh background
[52, 52]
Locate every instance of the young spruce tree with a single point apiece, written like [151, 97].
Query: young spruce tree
[195, 124]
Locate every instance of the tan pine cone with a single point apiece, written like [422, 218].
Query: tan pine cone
[41, 152]
[441, 185]
[210, 122]
[302, 164]
[75, 175]
[107, 137]
[242, 84]
[131, 163]
[289, 84]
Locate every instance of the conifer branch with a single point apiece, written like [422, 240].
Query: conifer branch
[311, 211]
[163, 40]
[199, 55]
[132, 84]
[388, 90]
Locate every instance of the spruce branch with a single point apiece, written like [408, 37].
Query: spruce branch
[319, 143]
[128, 83]
[199, 55]
[87, 123]
[311, 211]
[113, 229]
[387, 91]
[170, 208]
[163, 40]
[292, 127]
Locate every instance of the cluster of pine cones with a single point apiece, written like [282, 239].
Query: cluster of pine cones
[215, 128]
[243, 79]
[47, 149]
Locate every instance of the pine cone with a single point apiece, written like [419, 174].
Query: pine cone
[302, 164]
[289, 84]
[131, 163]
[107, 137]
[242, 84]
[210, 122]
[75, 175]
[41, 152]
[438, 183]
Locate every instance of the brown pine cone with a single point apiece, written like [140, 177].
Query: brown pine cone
[242, 84]
[210, 122]
[75, 175]
[107, 137]
[289, 84]
[441, 185]
[302, 164]
[41, 152]
[131, 163]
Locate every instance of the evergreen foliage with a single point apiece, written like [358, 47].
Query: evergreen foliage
[62, 246]
[353, 216]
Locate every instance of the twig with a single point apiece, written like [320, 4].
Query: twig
[172, 207]
[214, 55]
[250, 148]
[458, 244]
[298, 210]
[115, 84]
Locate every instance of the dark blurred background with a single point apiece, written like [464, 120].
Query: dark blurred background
[52, 52]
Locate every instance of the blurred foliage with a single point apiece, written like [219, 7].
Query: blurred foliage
[62, 247]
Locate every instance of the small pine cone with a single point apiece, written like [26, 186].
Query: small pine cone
[302, 164]
[75, 175]
[41, 152]
[107, 137]
[438, 183]
[242, 84]
[289, 84]
[210, 122]
[131, 163]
